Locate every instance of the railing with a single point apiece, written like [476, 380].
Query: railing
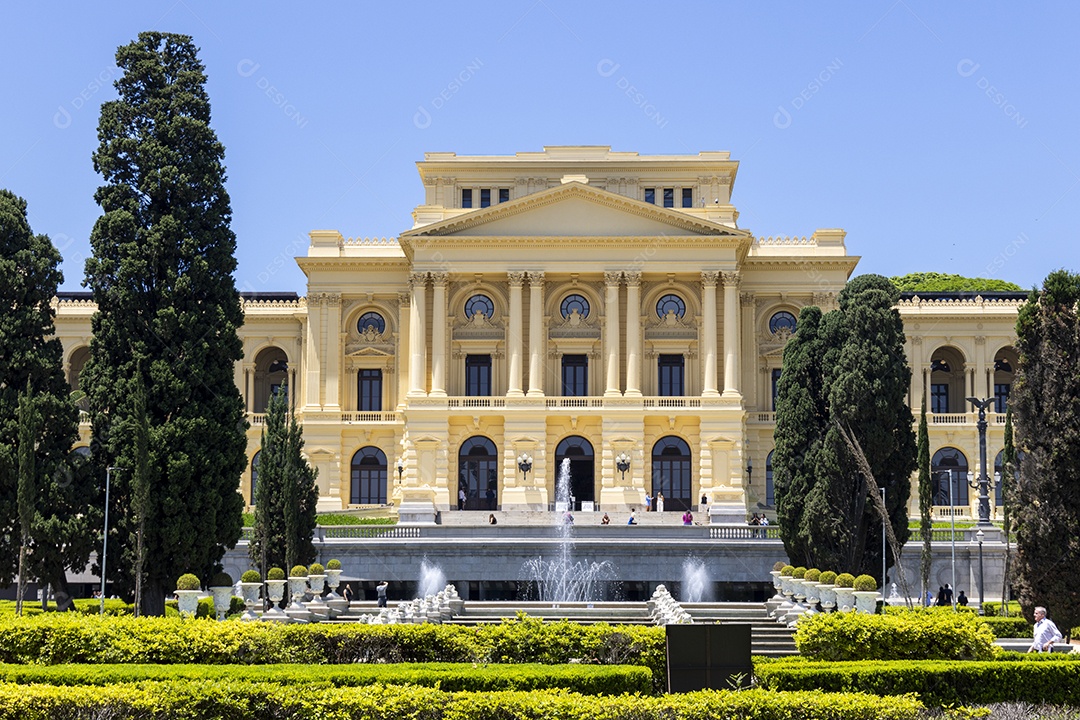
[767, 418]
[372, 416]
[84, 417]
[256, 419]
[949, 419]
[951, 511]
[354, 532]
[575, 402]
[672, 402]
[744, 532]
[476, 402]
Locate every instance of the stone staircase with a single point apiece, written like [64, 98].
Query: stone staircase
[547, 518]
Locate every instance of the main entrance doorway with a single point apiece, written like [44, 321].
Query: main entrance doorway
[582, 468]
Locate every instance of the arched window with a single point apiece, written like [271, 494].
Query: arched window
[770, 492]
[948, 470]
[271, 377]
[671, 472]
[478, 475]
[998, 477]
[371, 319]
[574, 302]
[479, 304]
[368, 477]
[579, 452]
[254, 473]
[782, 321]
[670, 304]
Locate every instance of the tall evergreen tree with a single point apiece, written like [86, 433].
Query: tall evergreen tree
[300, 512]
[168, 311]
[926, 500]
[1046, 401]
[29, 422]
[1010, 474]
[61, 535]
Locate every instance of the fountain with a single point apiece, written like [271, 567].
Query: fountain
[432, 579]
[564, 579]
[696, 586]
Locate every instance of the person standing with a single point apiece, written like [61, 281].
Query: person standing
[1045, 634]
[347, 593]
[381, 590]
[961, 599]
[461, 499]
[648, 501]
[948, 594]
[659, 502]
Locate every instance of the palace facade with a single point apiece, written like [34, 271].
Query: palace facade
[582, 305]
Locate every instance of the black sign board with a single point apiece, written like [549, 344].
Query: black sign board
[708, 657]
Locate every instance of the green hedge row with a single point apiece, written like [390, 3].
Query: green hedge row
[221, 700]
[584, 679]
[937, 683]
[919, 634]
[1008, 627]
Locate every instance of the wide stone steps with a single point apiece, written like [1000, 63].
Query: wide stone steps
[516, 518]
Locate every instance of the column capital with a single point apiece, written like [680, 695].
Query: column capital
[417, 279]
[333, 299]
[516, 278]
[748, 299]
[731, 279]
[709, 278]
[440, 278]
[404, 299]
[633, 278]
[536, 278]
[612, 277]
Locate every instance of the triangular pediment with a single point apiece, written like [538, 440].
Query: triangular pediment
[575, 209]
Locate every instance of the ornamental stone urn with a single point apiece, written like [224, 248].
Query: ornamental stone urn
[866, 601]
[297, 590]
[222, 600]
[276, 590]
[812, 597]
[187, 601]
[827, 597]
[845, 599]
[333, 581]
[250, 592]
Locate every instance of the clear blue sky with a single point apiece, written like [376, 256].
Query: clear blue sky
[941, 136]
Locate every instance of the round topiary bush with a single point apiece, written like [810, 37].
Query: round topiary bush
[333, 565]
[221, 579]
[251, 576]
[779, 565]
[315, 569]
[812, 575]
[298, 571]
[865, 583]
[798, 573]
[275, 574]
[845, 580]
[787, 570]
[188, 581]
[827, 578]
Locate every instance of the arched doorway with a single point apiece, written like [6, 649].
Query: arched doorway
[770, 488]
[949, 469]
[368, 477]
[582, 468]
[671, 472]
[478, 473]
[271, 376]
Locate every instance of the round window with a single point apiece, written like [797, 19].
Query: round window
[782, 321]
[575, 303]
[670, 304]
[371, 320]
[479, 304]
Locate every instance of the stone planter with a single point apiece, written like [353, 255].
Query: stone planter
[297, 590]
[812, 598]
[250, 592]
[276, 590]
[188, 601]
[222, 600]
[786, 590]
[866, 601]
[316, 582]
[827, 597]
[845, 599]
[333, 581]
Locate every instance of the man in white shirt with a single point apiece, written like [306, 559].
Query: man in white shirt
[1046, 632]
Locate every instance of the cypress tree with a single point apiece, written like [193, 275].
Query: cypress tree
[29, 421]
[167, 316]
[926, 500]
[1046, 401]
[1009, 477]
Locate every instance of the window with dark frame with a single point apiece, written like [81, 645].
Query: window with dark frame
[575, 375]
[671, 371]
[369, 390]
[939, 398]
[485, 197]
[1001, 396]
[669, 197]
[504, 195]
[466, 198]
[650, 195]
[478, 375]
[775, 387]
[368, 486]
[687, 197]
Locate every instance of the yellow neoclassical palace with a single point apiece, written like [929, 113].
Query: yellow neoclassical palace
[574, 304]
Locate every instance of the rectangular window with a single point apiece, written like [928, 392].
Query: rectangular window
[369, 390]
[575, 375]
[687, 197]
[939, 398]
[650, 195]
[466, 198]
[504, 195]
[1001, 396]
[485, 197]
[478, 375]
[671, 369]
[775, 386]
[669, 197]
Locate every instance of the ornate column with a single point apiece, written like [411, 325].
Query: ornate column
[611, 332]
[417, 334]
[709, 279]
[402, 357]
[749, 349]
[312, 361]
[731, 334]
[249, 401]
[633, 332]
[514, 341]
[536, 334]
[333, 352]
[438, 334]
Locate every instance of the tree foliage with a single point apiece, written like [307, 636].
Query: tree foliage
[286, 495]
[167, 317]
[1046, 402]
[61, 535]
[864, 379]
[944, 282]
[926, 500]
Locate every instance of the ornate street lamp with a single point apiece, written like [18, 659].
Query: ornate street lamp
[984, 479]
[400, 469]
[749, 470]
[524, 463]
[622, 464]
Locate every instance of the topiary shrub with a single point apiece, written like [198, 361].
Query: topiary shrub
[275, 574]
[298, 571]
[865, 583]
[812, 575]
[251, 576]
[827, 578]
[908, 635]
[845, 580]
[221, 579]
[779, 565]
[188, 581]
[798, 573]
[333, 565]
[316, 569]
[787, 570]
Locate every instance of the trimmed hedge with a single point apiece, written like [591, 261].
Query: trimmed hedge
[937, 683]
[911, 634]
[584, 679]
[219, 700]
[1008, 627]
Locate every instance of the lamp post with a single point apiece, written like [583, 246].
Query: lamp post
[524, 463]
[400, 469]
[749, 470]
[622, 464]
[105, 537]
[952, 528]
[982, 598]
[984, 479]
